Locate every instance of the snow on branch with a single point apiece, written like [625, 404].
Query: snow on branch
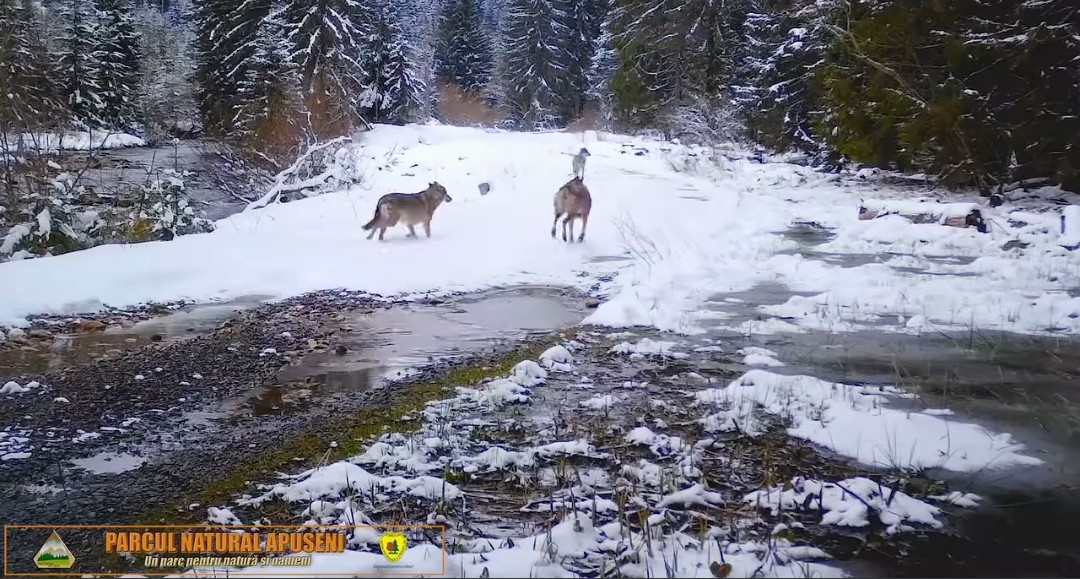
[288, 181]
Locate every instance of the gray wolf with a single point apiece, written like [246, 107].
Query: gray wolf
[574, 201]
[579, 162]
[413, 208]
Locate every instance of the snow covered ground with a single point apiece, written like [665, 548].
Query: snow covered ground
[673, 229]
[689, 229]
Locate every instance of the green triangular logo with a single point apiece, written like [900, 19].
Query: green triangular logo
[54, 554]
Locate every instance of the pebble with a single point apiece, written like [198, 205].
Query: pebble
[92, 326]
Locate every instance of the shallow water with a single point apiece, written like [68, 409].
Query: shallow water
[70, 349]
[1023, 385]
[389, 343]
[109, 462]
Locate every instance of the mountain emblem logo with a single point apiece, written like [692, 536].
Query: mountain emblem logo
[393, 545]
[54, 554]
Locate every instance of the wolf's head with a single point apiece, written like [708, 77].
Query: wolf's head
[437, 189]
[584, 152]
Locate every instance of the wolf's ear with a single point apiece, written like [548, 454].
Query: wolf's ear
[432, 184]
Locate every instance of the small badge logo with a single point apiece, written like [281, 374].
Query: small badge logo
[54, 554]
[393, 545]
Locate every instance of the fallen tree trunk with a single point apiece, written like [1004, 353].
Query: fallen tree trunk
[960, 215]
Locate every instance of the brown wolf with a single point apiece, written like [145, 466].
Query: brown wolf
[574, 201]
[579, 162]
[413, 207]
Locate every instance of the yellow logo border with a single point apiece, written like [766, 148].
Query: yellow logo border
[384, 543]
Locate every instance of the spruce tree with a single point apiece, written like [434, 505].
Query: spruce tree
[463, 48]
[676, 57]
[326, 40]
[583, 20]
[601, 69]
[268, 117]
[533, 69]
[393, 87]
[166, 91]
[404, 88]
[119, 64]
[776, 94]
[79, 63]
[216, 89]
[25, 69]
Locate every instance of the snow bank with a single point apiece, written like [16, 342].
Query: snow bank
[857, 422]
[73, 141]
[664, 239]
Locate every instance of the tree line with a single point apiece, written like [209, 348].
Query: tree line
[976, 92]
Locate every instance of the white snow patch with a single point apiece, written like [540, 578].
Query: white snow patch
[646, 347]
[850, 503]
[13, 387]
[856, 421]
[600, 402]
[15, 456]
[557, 359]
[966, 500]
[754, 356]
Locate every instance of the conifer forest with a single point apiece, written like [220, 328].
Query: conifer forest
[975, 93]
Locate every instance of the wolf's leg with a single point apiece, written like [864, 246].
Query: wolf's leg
[564, 222]
[427, 228]
[412, 231]
[571, 220]
[584, 224]
[382, 230]
[373, 230]
[554, 223]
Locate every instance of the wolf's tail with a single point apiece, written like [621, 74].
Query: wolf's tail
[371, 224]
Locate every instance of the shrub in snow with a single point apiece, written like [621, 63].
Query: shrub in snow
[161, 212]
[853, 503]
[67, 216]
[43, 223]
